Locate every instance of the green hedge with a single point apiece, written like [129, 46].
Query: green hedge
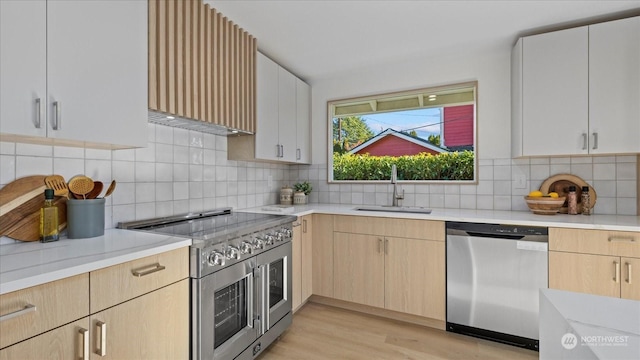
[445, 166]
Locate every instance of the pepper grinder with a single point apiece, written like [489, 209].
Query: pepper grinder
[572, 201]
[586, 201]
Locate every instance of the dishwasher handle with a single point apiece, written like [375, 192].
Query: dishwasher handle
[495, 236]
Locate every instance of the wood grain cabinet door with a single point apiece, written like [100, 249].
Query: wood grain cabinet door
[359, 268]
[307, 257]
[322, 252]
[591, 274]
[153, 326]
[296, 265]
[415, 277]
[630, 278]
[65, 342]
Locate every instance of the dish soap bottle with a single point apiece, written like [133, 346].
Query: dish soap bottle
[48, 218]
[572, 201]
[586, 201]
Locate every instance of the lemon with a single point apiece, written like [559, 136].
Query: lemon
[535, 193]
[553, 195]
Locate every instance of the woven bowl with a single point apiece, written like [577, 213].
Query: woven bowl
[544, 205]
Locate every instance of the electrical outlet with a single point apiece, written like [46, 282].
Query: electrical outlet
[521, 181]
[269, 181]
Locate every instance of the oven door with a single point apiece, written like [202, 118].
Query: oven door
[274, 301]
[224, 320]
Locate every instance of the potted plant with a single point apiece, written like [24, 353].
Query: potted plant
[302, 189]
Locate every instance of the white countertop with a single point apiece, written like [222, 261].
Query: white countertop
[25, 264]
[584, 326]
[600, 222]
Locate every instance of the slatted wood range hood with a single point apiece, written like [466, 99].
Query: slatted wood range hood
[202, 69]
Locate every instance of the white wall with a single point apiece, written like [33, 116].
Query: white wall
[490, 69]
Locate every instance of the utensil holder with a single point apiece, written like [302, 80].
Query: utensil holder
[85, 218]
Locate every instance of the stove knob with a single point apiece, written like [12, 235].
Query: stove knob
[279, 236]
[259, 243]
[216, 258]
[287, 232]
[269, 239]
[233, 252]
[246, 248]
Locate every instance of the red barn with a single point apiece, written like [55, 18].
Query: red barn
[395, 143]
[457, 132]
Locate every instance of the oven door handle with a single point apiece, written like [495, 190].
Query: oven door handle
[250, 285]
[264, 296]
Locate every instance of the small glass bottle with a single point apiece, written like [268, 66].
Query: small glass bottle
[572, 201]
[48, 218]
[586, 201]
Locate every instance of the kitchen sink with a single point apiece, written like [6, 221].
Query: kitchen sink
[400, 209]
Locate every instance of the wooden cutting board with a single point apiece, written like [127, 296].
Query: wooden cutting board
[20, 203]
[560, 183]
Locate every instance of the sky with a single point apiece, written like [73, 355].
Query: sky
[424, 121]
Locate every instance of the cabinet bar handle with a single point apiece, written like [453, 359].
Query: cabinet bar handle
[38, 113]
[27, 309]
[304, 226]
[84, 355]
[281, 151]
[379, 245]
[152, 268]
[386, 246]
[57, 115]
[628, 273]
[621, 239]
[585, 137]
[595, 140]
[298, 156]
[616, 277]
[102, 328]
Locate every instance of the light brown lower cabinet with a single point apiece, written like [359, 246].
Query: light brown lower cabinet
[302, 268]
[322, 252]
[65, 342]
[358, 262]
[595, 274]
[153, 326]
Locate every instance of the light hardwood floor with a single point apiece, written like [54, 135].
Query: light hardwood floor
[324, 332]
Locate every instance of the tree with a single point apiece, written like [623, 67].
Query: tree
[413, 133]
[349, 132]
[434, 139]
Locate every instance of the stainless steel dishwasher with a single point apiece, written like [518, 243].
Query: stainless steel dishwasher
[494, 273]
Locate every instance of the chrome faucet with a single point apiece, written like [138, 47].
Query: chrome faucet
[394, 181]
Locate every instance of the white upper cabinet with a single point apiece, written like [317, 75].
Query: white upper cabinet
[23, 67]
[303, 125]
[95, 71]
[283, 122]
[576, 91]
[614, 87]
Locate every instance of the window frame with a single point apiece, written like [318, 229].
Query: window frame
[331, 105]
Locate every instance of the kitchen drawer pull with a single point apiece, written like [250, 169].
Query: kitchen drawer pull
[152, 268]
[27, 309]
[595, 140]
[379, 245]
[621, 239]
[102, 328]
[85, 344]
[616, 277]
[628, 273]
[585, 137]
[304, 226]
[57, 116]
[386, 246]
[38, 113]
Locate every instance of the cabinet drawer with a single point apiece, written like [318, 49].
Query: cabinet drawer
[54, 304]
[599, 242]
[119, 283]
[62, 343]
[415, 229]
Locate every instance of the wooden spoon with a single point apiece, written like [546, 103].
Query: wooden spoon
[81, 185]
[97, 189]
[112, 187]
[57, 183]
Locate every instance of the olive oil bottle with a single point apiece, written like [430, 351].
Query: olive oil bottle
[48, 218]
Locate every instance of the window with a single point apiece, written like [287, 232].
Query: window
[429, 134]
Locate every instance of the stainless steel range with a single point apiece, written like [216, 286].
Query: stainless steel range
[240, 269]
